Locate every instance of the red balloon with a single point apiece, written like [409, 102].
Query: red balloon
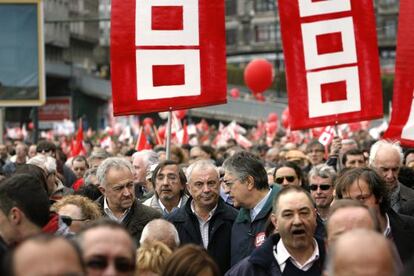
[258, 75]
[235, 93]
[260, 97]
[272, 117]
[148, 121]
[286, 118]
[180, 114]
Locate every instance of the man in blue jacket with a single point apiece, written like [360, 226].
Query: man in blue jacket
[246, 183]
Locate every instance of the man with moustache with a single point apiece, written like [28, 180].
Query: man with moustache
[293, 250]
[116, 179]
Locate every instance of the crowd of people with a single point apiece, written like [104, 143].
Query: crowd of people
[285, 209]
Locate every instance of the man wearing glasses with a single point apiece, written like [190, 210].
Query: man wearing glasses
[321, 180]
[169, 188]
[107, 249]
[367, 186]
[116, 179]
[245, 180]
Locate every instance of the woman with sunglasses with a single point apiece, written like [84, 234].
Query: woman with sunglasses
[288, 173]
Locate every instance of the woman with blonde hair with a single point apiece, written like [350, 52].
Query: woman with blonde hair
[151, 257]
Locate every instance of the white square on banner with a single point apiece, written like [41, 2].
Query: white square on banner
[145, 59]
[352, 103]
[310, 31]
[309, 8]
[145, 36]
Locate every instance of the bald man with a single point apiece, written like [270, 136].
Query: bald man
[362, 252]
[345, 215]
[161, 230]
[46, 255]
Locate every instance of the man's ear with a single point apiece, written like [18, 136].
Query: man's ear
[250, 182]
[15, 216]
[273, 219]
[102, 189]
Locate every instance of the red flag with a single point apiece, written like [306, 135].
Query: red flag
[402, 120]
[186, 137]
[142, 142]
[327, 135]
[77, 145]
[332, 65]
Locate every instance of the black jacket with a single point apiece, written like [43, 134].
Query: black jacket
[262, 261]
[402, 230]
[219, 230]
[137, 218]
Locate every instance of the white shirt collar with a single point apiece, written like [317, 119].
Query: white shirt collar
[259, 206]
[210, 214]
[282, 255]
[387, 231]
[111, 215]
[164, 209]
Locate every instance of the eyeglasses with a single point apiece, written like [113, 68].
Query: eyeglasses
[289, 178]
[68, 220]
[323, 187]
[101, 262]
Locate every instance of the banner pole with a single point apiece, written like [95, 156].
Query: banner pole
[168, 143]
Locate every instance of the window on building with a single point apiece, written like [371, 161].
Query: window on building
[265, 32]
[264, 5]
[231, 7]
[231, 37]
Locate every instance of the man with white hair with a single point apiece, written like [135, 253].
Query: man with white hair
[142, 161]
[205, 219]
[386, 158]
[163, 231]
[115, 176]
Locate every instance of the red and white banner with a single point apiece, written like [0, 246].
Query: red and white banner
[167, 55]
[401, 126]
[332, 66]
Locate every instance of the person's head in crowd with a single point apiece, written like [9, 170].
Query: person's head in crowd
[364, 185]
[178, 155]
[79, 210]
[115, 176]
[294, 218]
[409, 158]
[107, 248]
[288, 173]
[296, 156]
[321, 185]
[201, 152]
[79, 166]
[190, 260]
[386, 158]
[46, 255]
[348, 144]
[347, 214]
[203, 184]
[90, 191]
[245, 179]
[161, 230]
[21, 152]
[24, 208]
[406, 176]
[35, 171]
[270, 175]
[362, 252]
[142, 162]
[272, 156]
[151, 257]
[315, 152]
[4, 154]
[97, 157]
[32, 150]
[48, 164]
[354, 158]
[46, 148]
[90, 177]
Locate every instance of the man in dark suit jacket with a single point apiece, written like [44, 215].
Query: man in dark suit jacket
[116, 182]
[205, 219]
[367, 186]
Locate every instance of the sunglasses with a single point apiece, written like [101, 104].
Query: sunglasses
[323, 187]
[101, 263]
[279, 180]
